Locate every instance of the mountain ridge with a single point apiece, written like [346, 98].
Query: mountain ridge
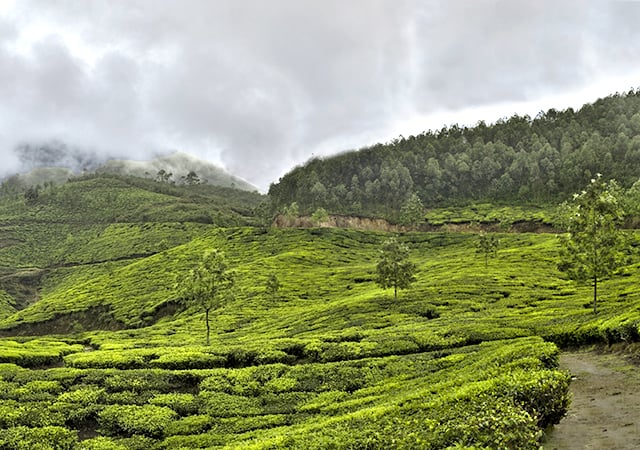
[55, 163]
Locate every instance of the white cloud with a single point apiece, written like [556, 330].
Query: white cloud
[259, 86]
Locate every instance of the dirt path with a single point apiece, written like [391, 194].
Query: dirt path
[605, 410]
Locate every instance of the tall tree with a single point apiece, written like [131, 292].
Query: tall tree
[412, 211]
[593, 247]
[488, 246]
[394, 268]
[208, 285]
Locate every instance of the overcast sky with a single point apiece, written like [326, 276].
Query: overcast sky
[259, 86]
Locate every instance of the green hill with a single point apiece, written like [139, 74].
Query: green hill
[96, 351]
[515, 161]
[332, 360]
[104, 219]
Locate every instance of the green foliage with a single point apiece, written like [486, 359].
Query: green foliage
[7, 304]
[35, 353]
[594, 246]
[331, 363]
[209, 285]
[272, 286]
[127, 420]
[319, 216]
[518, 159]
[394, 268]
[488, 246]
[38, 438]
[412, 212]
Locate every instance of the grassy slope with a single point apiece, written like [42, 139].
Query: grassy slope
[368, 368]
[104, 220]
[327, 287]
[332, 361]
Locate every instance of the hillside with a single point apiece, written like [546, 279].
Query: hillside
[328, 361]
[54, 163]
[518, 160]
[98, 352]
[104, 219]
[178, 165]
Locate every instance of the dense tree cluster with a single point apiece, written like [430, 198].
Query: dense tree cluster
[539, 160]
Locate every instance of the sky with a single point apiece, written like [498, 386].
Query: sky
[259, 86]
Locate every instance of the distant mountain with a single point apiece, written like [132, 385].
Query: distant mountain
[178, 165]
[55, 162]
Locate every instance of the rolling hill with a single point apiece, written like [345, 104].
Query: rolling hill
[97, 350]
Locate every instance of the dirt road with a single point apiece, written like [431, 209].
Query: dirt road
[605, 410]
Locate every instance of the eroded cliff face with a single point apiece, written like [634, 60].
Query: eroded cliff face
[357, 223]
[378, 224]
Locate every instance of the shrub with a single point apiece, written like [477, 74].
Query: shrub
[183, 404]
[127, 420]
[101, 443]
[181, 360]
[196, 424]
[45, 438]
[220, 404]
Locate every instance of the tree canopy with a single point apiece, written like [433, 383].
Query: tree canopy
[593, 248]
[208, 285]
[517, 159]
[395, 270]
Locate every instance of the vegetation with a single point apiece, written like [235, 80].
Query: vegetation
[594, 247]
[540, 160]
[97, 350]
[394, 268]
[208, 285]
[487, 246]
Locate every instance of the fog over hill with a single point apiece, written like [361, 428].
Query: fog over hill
[56, 162]
[178, 164]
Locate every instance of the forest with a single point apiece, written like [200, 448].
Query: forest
[517, 160]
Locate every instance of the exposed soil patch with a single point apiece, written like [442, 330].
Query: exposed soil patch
[605, 409]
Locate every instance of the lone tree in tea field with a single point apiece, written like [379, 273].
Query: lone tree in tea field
[488, 246]
[412, 212]
[593, 247]
[208, 285]
[272, 286]
[394, 268]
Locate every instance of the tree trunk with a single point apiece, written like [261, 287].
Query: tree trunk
[206, 319]
[395, 292]
[595, 293]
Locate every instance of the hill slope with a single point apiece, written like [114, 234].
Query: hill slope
[331, 360]
[105, 219]
[514, 161]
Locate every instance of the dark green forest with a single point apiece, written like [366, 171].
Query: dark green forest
[523, 160]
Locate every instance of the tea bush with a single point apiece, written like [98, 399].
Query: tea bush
[38, 438]
[127, 420]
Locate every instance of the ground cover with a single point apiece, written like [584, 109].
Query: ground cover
[431, 400]
[330, 360]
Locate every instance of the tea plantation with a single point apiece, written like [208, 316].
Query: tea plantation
[98, 353]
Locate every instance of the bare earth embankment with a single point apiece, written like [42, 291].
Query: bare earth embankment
[605, 409]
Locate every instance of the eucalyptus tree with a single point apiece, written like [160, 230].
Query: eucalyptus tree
[208, 285]
[394, 268]
[488, 246]
[594, 245]
[412, 212]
